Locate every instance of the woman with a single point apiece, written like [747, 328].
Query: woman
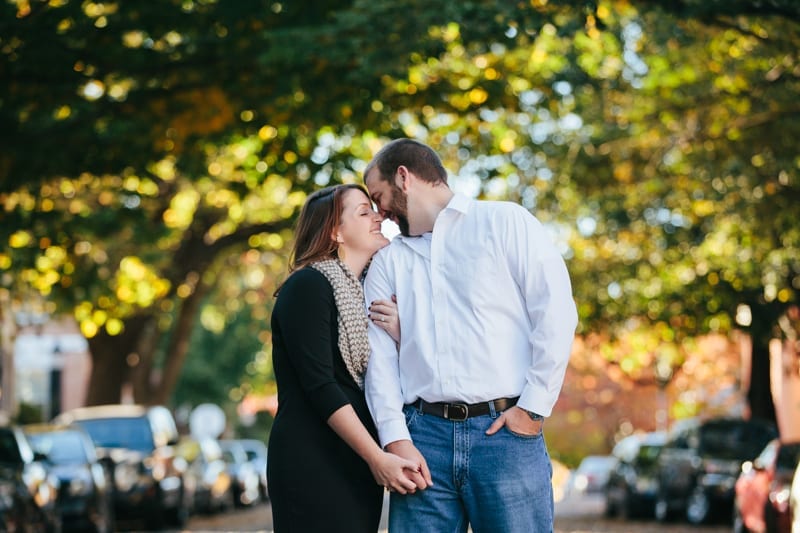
[324, 460]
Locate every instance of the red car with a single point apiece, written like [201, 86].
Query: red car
[762, 490]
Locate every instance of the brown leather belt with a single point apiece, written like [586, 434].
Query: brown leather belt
[462, 411]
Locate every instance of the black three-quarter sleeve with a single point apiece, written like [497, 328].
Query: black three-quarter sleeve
[304, 311]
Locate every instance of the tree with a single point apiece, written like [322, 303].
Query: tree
[711, 241]
[133, 181]
[129, 177]
[668, 133]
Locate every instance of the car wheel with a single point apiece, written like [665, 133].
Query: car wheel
[103, 519]
[611, 509]
[627, 508]
[661, 509]
[178, 516]
[698, 507]
[155, 521]
[55, 526]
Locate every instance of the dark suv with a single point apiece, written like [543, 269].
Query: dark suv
[632, 484]
[137, 444]
[28, 492]
[84, 499]
[698, 466]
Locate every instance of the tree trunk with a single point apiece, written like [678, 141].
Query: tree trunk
[110, 365]
[141, 374]
[759, 395]
[129, 358]
[178, 348]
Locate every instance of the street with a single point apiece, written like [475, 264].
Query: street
[575, 514]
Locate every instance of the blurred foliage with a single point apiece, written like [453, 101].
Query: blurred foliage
[154, 155]
[258, 429]
[228, 358]
[29, 414]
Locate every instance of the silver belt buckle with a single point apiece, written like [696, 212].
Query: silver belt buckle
[459, 408]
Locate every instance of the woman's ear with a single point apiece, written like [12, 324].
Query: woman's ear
[336, 236]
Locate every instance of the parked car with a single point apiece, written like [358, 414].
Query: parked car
[592, 473]
[137, 443]
[762, 489]
[245, 478]
[700, 462]
[29, 491]
[208, 472]
[632, 484]
[794, 501]
[12, 507]
[256, 452]
[85, 497]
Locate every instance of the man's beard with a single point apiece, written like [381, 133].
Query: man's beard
[399, 208]
[402, 223]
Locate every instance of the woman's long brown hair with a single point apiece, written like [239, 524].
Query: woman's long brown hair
[320, 216]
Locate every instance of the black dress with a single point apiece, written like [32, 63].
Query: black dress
[316, 481]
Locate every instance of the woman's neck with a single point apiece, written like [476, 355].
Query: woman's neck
[355, 262]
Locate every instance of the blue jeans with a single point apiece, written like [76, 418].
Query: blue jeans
[495, 484]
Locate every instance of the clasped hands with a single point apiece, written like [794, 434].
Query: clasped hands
[401, 468]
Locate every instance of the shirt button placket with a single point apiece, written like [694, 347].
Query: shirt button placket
[441, 304]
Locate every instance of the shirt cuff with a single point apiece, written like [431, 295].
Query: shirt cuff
[392, 431]
[530, 400]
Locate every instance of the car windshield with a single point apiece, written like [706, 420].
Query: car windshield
[736, 441]
[648, 454]
[131, 433]
[60, 447]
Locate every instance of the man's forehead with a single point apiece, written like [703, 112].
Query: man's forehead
[371, 174]
[373, 182]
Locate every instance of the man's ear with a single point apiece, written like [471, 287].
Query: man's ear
[403, 177]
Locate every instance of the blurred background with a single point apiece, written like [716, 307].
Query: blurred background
[154, 156]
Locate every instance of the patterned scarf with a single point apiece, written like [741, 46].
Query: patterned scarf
[349, 297]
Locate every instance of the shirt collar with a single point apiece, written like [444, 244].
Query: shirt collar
[460, 203]
[420, 244]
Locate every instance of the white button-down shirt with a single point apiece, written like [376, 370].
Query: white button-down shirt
[486, 311]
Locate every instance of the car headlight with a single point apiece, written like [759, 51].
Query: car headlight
[44, 495]
[33, 475]
[645, 485]
[159, 471]
[125, 477]
[79, 486]
[581, 482]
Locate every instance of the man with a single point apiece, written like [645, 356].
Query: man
[487, 322]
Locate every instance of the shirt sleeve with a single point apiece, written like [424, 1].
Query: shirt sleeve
[305, 319]
[544, 281]
[382, 382]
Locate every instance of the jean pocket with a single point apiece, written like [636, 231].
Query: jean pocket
[523, 435]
